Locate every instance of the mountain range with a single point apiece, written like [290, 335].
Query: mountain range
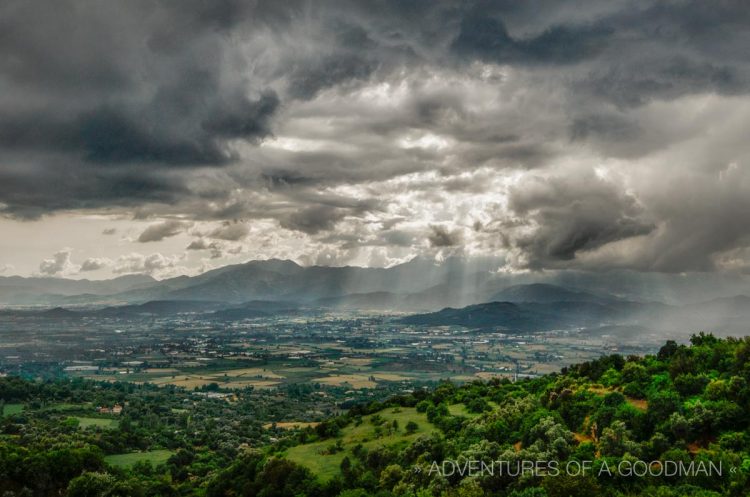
[419, 284]
[430, 284]
[450, 292]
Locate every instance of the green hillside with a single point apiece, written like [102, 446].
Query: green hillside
[686, 407]
[390, 428]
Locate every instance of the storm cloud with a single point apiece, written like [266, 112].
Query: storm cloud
[553, 134]
[160, 231]
[569, 216]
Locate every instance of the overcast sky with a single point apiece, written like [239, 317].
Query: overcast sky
[172, 137]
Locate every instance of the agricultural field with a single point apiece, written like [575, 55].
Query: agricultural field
[350, 357]
[291, 425]
[461, 410]
[155, 457]
[104, 423]
[66, 407]
[351, 380]
[10, 409]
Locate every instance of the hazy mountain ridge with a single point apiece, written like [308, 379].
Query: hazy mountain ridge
[544, 292]
[534, 309]
[261, 280]
[454, 291]
[34, 290]
[535, 316]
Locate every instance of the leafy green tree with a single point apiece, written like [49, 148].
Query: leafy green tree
[391, 476]
[91, 485]
[571, 486]
[529, 492]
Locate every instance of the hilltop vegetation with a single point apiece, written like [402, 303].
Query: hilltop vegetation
[686, 403]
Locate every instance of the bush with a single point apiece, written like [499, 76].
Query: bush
[688, 384]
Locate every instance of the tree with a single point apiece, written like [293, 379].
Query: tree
[667, 350]
[690, 384]
[615, 439]
[91, 485]
[567, 486]
[529, 492]
[390, 476]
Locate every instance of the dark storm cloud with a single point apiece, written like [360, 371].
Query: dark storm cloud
[229, 110]
[486, 38]
[36, 184]
[664, 78]
[573, 215]
[440, 236]
[100, 90]
[609, 127]
[110, 136]
[703, 221]
[632, 54]
[344, 61]
[313, 219]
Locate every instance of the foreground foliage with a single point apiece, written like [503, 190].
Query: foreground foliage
[687, 403]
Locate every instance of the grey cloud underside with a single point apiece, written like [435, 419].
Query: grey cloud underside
[160, 231]
[574, 216]
[167, 108]
[442, 237]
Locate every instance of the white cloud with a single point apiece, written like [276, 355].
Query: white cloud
[154, 264]
[230, 230]
[95, 263]
[59, 265]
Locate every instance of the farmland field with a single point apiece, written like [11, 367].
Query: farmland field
[11, 409]
[155, 457]
[354, 380]
[105, 423]
[291, 425]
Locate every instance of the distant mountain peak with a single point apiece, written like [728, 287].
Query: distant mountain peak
[545, 292]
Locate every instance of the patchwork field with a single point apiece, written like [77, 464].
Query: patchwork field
[336, 364]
